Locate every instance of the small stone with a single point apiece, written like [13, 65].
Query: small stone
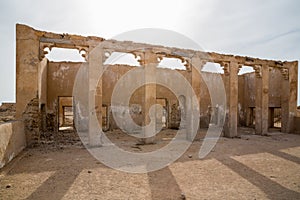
[190, 156]
[182, 196]
[8, 186]
[89, 171]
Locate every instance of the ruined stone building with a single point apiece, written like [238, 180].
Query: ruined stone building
[46, 102]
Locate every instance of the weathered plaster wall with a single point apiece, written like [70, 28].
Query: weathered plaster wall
[247, 94]
[27, 62]
[12, 141]
[60, 82]
[275, 88]
[61, 78]
[250, 87]
[242, 109]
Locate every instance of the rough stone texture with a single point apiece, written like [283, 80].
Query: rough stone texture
[32, 121]
[7, 112]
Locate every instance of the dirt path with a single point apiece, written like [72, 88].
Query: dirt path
[252, 167]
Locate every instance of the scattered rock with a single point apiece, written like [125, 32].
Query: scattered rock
[182, 196]
[136, 147]
[89, 171]
[190, 155]
[8, 186]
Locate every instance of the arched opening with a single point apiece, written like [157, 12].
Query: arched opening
[172, 63]
[120, 58]
[64, 54]
[246, 70]
[212, 68]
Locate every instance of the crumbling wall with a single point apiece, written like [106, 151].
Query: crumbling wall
[7, 112]
[32, 121]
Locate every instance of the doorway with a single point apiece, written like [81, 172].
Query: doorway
[65, 114]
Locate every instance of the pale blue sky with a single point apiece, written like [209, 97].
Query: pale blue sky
[260, 28]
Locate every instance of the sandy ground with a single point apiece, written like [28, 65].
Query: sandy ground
[250, 167]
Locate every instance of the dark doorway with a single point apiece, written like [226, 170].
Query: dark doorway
[65, 114]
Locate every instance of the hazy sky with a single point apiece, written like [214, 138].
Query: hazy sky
[259, 28]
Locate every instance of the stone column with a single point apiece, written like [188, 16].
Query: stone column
[233, 103]
[265, 99]
[150, 64]
[95, 95]
[289, 95]
[262, 99]
[226, 69]
[196, 67]
[231, 86]
[191, 106]
[258, 99]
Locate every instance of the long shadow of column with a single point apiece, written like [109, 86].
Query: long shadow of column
[56, 186]
[272, 189]
[286, 156]
[163, 185]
